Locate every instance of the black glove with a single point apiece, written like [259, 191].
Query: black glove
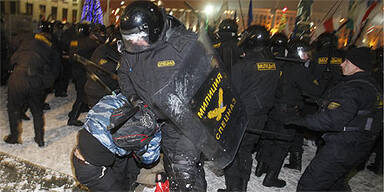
[137, 131]
[120, 115]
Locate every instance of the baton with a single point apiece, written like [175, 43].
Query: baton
[274, 134]
[87, 62]
[289, 59]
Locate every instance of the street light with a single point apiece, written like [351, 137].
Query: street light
[208, 10]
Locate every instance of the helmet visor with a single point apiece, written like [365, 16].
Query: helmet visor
[302, 53]
[136, 42]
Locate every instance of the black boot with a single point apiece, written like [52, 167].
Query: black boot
[39, 141]
[74, 114]
[234, 184]
[294, 161]
[261, 168]
[46, 106]
[272, 180]
[10, 139]
[376, 167]
[61, 94]
[75, 122]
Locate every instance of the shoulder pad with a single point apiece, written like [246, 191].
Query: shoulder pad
[181, 37]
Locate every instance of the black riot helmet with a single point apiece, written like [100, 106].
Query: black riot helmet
[45, 27]
[326, 40]
[141, 26]
[82, 29]
[299, 49]
[254, 36]
[279, 43]
[228, 25]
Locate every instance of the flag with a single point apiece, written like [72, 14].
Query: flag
[217, 17]
[328, 25]
[282, 23]
[250, 13]
[364, 11]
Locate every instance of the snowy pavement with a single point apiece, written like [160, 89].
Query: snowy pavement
[60, 140]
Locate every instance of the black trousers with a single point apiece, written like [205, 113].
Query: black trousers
[182, 161]
[119, 177]
[80, 78]
[61, 84]
[273, 150]
[22, 92]
[341, 153]
[240, 168]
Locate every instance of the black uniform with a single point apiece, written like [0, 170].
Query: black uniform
[101, 170]
[326, 64]
[4, 65]
[255, 78]
[295, 82]
[377, 73]
[146, 73]
[83, 46]
[62, 82]
[107, 57]
[348, 134]
[36, 66]
[227, 49]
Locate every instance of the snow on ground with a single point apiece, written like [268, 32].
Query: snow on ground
[60, 140]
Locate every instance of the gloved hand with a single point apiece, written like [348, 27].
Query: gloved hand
[138, 130]
[120, 115]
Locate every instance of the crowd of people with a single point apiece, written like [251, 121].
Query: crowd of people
[136, 81]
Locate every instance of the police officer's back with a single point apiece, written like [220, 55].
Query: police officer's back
[327, 59]
[255, 78]
[84, 46]
[36, 66]
[106, 56]
[227, 43]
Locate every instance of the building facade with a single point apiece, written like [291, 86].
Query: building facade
[62, 10]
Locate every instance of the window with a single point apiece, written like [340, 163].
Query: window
[2, 6]
[13, 7]
[54, 13]
[29, 8]
[65, 14]
[42, 12]
[74, 16]
[42, 9]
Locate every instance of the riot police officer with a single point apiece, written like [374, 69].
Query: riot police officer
[295, 81]
[36, 66]
[279, 43]
[84, 46]
[255, 78]
[226, 45]
[154, 53]
[102, 82]
[346, 120]
[68, 34]
[327, 58]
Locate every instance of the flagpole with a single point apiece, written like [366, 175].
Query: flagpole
[242, 17]
[325, 16]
